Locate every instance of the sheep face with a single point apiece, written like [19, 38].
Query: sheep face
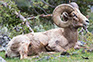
[71, 16]
[79, 20]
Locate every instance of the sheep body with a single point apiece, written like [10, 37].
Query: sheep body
[56, 40]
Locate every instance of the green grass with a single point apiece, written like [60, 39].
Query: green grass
[54, 58]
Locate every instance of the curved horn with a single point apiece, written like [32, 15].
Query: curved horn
[57, 13]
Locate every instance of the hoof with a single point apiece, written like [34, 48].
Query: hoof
[65, 53]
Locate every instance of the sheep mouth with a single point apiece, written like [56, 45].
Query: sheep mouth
[85, 27]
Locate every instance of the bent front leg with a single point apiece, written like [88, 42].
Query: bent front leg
[23, 51]
[56, 48]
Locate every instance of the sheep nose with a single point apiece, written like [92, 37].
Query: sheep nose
[87, 21]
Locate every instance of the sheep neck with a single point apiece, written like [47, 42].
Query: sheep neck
[71, 35]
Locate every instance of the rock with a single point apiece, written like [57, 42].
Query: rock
[2, 60]
[90, 50]
[4, 39]
[80, 44]
[1, 42]
[41, 59]
[2, 49]
[47, 57]
[74, 53]
[36, 57]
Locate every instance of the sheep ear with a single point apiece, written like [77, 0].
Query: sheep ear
[75, 5]
[65, 14]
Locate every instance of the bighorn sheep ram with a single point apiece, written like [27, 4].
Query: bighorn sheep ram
[58, 40]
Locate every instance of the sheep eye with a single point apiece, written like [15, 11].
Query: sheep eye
[75, 15]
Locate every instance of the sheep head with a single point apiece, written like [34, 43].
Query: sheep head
[71, 16]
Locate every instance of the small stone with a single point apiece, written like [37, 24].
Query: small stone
[2, 49]
[36, 57]
[2, 60]
[74, 53]
[41, 59]
[90, 50]
[47, 57]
